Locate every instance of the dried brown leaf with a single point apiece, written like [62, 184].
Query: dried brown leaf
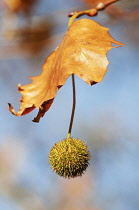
[82, 52]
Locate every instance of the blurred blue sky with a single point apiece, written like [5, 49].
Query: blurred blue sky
[106, 117]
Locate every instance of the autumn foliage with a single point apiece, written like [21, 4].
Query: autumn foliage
[82, 51]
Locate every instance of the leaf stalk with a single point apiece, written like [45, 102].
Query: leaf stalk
[73, 106]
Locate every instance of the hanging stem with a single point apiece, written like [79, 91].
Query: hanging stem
[73, 106]
[90, 12]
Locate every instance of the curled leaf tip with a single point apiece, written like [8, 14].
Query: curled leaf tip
[43, 108]
[19, 87]
[11, 109]
[20, 112]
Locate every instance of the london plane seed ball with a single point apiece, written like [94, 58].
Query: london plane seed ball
[69, 158]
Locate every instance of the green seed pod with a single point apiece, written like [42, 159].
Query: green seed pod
[69, 158]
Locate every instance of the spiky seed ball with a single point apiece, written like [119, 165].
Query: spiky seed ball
[69, 158]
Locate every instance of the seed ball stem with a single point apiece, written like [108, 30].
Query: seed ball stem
[69, 158]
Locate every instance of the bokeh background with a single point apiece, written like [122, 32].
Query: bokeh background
[106, 117]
